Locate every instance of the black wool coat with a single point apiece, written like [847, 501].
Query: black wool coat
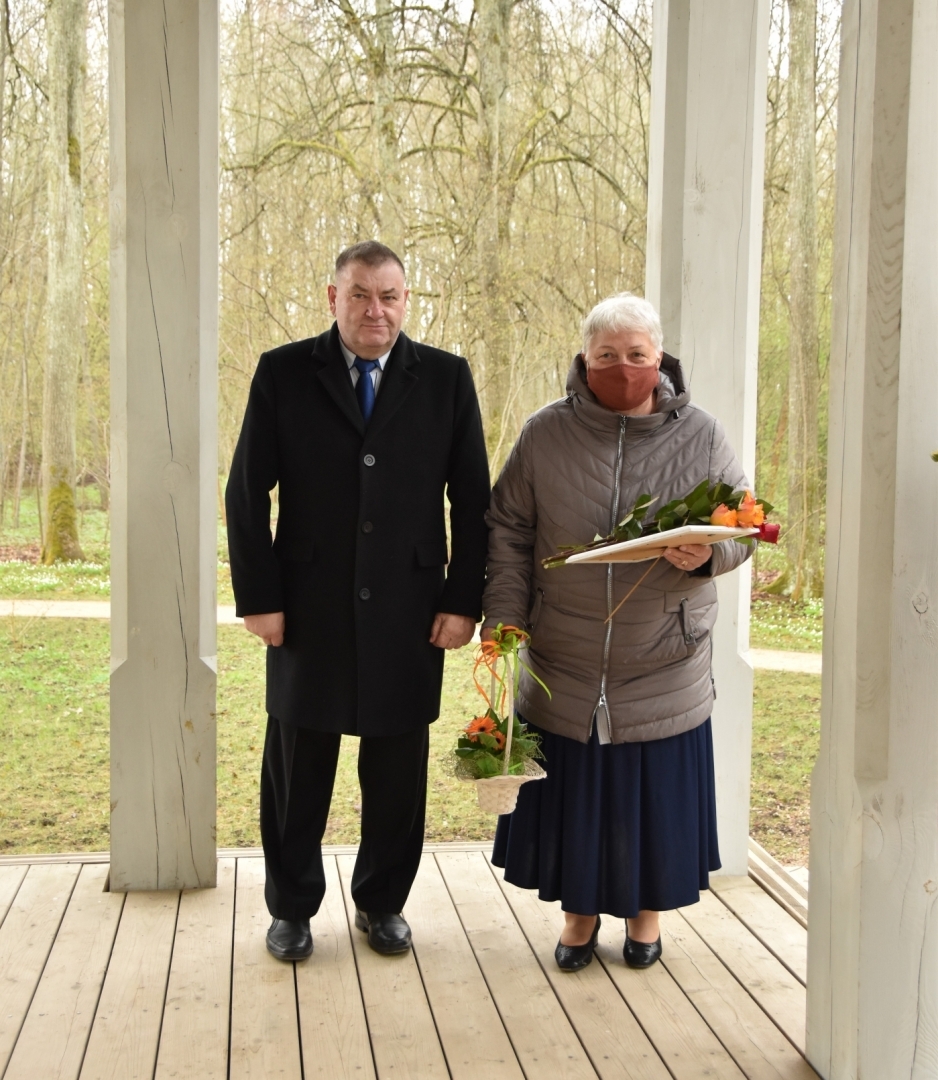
[359, 565]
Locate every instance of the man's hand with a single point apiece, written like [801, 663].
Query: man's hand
[451, 631]
[269, 628]
[688, 557]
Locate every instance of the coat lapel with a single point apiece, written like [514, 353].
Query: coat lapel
[399, 378]
[333, 374]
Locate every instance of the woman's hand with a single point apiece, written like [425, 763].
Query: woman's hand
[688, 557]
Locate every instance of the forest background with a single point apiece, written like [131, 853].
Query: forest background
[501, 146]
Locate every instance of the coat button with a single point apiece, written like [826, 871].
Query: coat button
[369, 459]
[364, 594]
[367, 527]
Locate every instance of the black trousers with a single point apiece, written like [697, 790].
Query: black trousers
[297, 777]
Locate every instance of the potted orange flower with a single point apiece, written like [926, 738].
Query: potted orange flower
[496, 750]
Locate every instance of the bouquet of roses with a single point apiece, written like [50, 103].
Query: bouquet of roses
[716, 504]
[496, 750]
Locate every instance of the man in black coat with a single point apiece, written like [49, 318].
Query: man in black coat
[365, 431]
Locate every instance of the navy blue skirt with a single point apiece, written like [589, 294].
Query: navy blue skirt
[615, 829]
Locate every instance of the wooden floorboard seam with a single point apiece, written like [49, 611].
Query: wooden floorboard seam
[4, 911]
[45, 961]
[169, 968]
[97, 1003]
[747, 989]
[234, 919]
[638, 1020]
[299, 1025]
[358, 974]
[741, 1065]
[488, 987]
[759, 937]
[436, 1024]
[589, 1057]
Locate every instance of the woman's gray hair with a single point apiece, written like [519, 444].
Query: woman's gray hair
[624, 311]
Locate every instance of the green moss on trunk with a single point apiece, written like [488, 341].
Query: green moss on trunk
[61, 540]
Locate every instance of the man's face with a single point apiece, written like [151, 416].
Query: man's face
[368, 303]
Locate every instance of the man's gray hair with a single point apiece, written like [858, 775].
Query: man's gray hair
[624, 311]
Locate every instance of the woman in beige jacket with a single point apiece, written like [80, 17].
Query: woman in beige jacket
[625, 822]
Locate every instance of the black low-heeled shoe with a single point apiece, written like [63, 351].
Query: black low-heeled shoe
[576, 957]
[641, 954]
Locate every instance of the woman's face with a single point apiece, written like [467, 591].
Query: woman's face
[622, 371]
[621, 347]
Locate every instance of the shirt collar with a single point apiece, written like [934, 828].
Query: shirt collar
[350, 356]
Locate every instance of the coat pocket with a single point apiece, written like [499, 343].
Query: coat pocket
[431, 553]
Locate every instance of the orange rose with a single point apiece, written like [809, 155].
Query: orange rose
[750, 512]
[723, 516]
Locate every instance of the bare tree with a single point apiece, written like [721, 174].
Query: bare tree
[65, 31]
[804, 472]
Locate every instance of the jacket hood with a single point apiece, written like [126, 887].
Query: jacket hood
[672, 396]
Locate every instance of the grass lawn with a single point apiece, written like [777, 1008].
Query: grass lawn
[786, 735]
[22, 577]
[54, 743]
[779, 623]
[54, 746]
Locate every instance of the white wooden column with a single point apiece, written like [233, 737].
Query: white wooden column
[704, 246]
[164, 269]
[873, 929]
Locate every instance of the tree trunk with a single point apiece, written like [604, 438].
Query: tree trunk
[804, 479]
[24, 434]
[385, 127]
[494, 43]
[4, 38]
[382, 181]
[65, 83]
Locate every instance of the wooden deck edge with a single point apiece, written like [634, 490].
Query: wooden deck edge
[228, 853]
[785, 890]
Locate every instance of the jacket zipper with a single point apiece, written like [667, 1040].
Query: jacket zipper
[601, 712]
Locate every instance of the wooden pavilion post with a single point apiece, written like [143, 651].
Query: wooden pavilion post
[873, 922]
[709, 64]
[164, 270]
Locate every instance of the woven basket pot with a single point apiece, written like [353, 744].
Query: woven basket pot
[499, 794]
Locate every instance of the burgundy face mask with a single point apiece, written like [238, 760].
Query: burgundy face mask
[622, 387]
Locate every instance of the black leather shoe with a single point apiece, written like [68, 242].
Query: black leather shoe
[289, 940]
[576, 957]
[640, 954]
[387, 934]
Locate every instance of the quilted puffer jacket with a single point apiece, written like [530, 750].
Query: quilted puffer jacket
[575, 470]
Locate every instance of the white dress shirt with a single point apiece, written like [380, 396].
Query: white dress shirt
[353, 371]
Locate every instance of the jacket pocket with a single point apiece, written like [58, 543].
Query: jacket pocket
[298, 550]
[535, 612]
[688, 610]
[431, 553]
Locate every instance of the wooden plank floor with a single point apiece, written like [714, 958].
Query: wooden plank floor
[100, 986]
